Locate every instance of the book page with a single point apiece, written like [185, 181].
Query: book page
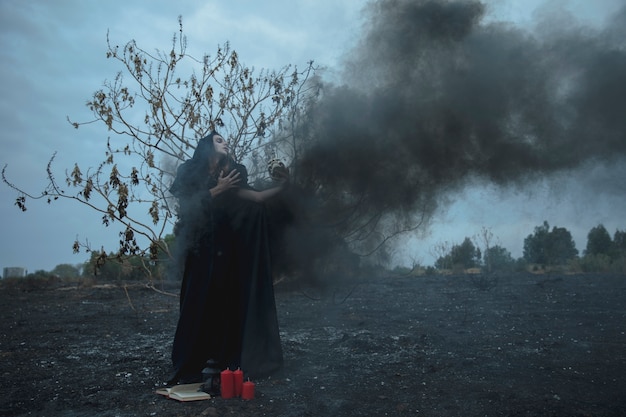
[184, 392]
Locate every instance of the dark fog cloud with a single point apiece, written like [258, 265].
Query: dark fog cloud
[433, 98]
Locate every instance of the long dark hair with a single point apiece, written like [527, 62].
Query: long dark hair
[204, 151]
[191, 187]
[194, 173]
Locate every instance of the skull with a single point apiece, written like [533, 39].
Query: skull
[273, 165]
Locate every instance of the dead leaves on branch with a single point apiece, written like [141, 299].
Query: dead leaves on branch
[156, 117]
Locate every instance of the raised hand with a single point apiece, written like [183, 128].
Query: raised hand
[226, 182]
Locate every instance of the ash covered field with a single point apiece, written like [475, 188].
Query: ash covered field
[507, 345]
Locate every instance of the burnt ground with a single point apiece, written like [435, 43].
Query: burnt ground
[514, 345]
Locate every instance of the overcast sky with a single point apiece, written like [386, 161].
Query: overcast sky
[53, 58]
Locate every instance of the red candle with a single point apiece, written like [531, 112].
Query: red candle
[238, 381]
[247, 392]
[227, 385]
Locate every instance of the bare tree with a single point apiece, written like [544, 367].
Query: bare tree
[440, 250]
[155, 117]
[484, 239]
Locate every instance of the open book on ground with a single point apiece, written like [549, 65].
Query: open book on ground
[184, 392]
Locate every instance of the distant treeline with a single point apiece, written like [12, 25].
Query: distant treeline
[545, 249]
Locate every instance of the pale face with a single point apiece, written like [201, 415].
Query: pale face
[221, 146]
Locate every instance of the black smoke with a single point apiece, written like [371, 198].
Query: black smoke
[434, 97]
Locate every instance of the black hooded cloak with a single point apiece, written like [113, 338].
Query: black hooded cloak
[227, 307]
